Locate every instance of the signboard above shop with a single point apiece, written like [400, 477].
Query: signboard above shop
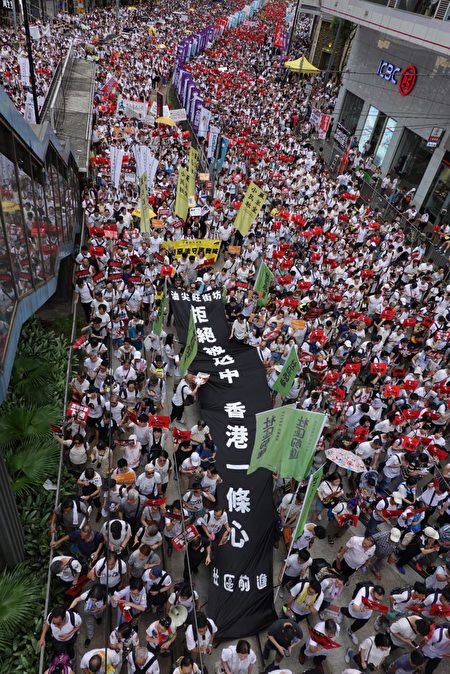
[341, 136]
[435, 137]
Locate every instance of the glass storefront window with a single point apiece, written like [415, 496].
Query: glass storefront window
[12, 218]
[351, 111]
[385, 139]
[437, 202]
[411, 158]
[33, 221]
[369, 125]
[7, 290]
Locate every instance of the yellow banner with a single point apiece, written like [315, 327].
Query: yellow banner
[192, 170]
[143, 193]
[182, 201]
[253, 201]
[210, 247]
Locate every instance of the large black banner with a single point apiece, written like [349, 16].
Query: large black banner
[240, 597]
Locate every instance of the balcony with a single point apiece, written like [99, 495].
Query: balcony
[419, 22]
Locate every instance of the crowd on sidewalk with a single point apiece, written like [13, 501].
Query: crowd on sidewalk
[368, 316]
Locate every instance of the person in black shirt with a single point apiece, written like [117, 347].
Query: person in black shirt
[85, 542]
[282, 636]
[198, 551]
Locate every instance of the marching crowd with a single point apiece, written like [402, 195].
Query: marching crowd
[368, 316]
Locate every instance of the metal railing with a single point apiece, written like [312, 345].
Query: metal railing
[54, 108]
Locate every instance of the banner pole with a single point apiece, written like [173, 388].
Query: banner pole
[289, 551]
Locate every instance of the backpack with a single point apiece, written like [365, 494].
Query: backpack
[71, 617]
[60, 663]
[188, 399]
[194, 628]
[142, 670]
[367, 586]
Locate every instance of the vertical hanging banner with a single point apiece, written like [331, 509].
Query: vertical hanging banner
[212, 140]
[24, 67]
[158, 324]
[203, 124]
[116, 159]
[253, 201]
[143, 194]
[311, 490]
[286, 440]
[182, 198]
[159, 104]
[240, 597]
[262, 283]
[192, 171]
[285, 379]
[190, 348]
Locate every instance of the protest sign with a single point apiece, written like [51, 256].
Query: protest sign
[251, 206]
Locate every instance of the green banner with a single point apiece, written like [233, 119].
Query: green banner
[285, 379]
[190, 349]
[254, 200]
[182, 199]
[285, 441]
[311, 490]
[262, 284]
[157, 327]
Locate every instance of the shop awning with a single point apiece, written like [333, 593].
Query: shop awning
[301, 65]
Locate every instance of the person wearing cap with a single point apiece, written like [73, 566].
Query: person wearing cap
[425, 543]
[158, 584]
[386, 543]
[148, 483]
[160, 636]
[190, 470]
[382, 511]
[132, 451]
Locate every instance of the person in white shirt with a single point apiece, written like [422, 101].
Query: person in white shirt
[64, 627]
[67, 569]
[239, 329]
[110, 572]
[358, 610]
[215, 525]
[200, 636]
[314, 650]
[305, 599]
[354, 554]
[238, 659]
[437, 648]
[94, 661]
[140, 658]
[373, 651]
[409, 632]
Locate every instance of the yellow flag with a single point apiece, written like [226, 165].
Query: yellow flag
[182, 201]
[143, 193]
[253, 201]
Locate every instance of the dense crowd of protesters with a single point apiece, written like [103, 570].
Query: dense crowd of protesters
[367, 314]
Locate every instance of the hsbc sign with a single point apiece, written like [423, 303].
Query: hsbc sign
[405, 79]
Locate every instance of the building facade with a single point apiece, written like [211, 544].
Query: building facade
[394, 102]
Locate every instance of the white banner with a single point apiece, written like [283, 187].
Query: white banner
[145, 161]
[116, 157]
[203, 125]
[24, 70]
[178, 115]
[35, 33]
[213, 136]
[28, 112]
[132, 108]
